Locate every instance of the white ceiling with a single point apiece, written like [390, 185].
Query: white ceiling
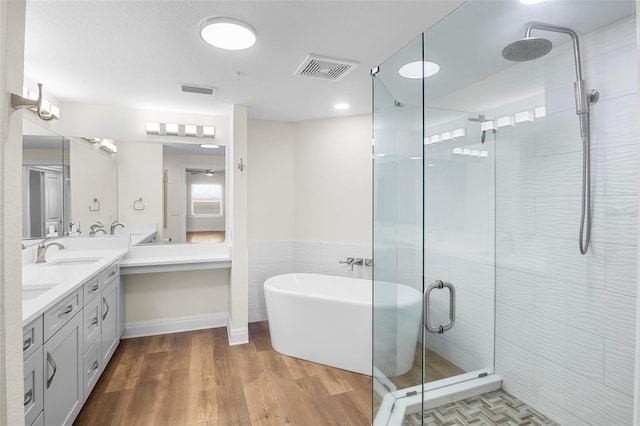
[135, 53]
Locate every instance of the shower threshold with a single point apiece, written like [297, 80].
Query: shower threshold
[398, 405]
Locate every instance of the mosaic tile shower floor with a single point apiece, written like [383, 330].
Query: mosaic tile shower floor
[492, 408]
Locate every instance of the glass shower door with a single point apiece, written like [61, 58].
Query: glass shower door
[459, 247]
[397, 220]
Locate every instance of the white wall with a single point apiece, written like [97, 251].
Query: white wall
[12, 17]
[565, 323]
[237, 195]
[309, 200]
[172, 295]
[333, 180]
[271, 191]
[140, 176]
[94, 174]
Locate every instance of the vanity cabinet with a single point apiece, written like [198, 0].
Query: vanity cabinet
[63, 378]
[67, 348]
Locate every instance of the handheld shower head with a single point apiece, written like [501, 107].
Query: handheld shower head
[527, 49]
[530, 48]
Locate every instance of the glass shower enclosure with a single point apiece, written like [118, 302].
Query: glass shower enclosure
[476, 196]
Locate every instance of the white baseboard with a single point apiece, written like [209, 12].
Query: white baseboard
[174, 325]
[237, 336]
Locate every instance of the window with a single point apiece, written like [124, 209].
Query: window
[206, 199]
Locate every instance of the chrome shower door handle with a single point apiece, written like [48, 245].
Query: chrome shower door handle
[439, 284]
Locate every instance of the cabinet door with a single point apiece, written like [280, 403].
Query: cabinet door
[33, 403]
[92, 323]
[92, 363]
[110, 338]
[63, 378]
[121, 307]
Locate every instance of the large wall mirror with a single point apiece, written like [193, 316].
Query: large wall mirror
[69, 184]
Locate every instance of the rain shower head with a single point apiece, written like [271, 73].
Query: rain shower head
[527, 49]
[530, 48]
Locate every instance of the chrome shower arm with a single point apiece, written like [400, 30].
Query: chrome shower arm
[564, 30]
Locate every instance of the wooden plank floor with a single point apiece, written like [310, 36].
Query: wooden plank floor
[196, 378]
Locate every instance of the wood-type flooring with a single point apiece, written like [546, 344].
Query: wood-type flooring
[196, 378]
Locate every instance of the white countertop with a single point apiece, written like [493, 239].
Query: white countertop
[66, 277]
[60, 279]
[176, 254]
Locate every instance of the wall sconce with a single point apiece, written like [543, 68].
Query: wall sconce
[104, 144]
[174, 129]
[41, 107]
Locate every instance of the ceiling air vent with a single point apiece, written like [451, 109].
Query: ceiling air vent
[194, 88]
[325, 68]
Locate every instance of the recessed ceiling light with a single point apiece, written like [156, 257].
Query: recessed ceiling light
[227, 33]
[209, 146]
[342, 106]
[419, 69]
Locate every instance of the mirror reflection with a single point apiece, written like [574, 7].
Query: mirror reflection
[195, 193]
[158, 192]
[45, 179]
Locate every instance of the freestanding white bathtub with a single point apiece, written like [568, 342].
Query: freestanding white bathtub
[328, 320]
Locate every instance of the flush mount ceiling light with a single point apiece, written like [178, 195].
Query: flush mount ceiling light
[227, 33]
[531, 1]
[342, 106]
[419, 69]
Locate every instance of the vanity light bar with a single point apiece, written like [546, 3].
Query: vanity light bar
[470, 152]
[104, 144]
[108, 145]
[174, 129]
[446, 136]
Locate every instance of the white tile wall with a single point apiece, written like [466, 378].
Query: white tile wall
[619, 364]
[565, 327]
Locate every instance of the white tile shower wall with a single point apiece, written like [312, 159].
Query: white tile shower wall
[270, 258]
[565, 326]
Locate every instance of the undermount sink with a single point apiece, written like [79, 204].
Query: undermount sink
[34, 290]
[71, 262]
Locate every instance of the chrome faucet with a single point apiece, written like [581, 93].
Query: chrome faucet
[98, 226]
[42, 250]
[352, 261]
[114, 226]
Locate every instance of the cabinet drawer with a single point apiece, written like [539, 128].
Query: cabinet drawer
[92, 323]
[91, 368]
[31, 337]
[56, 317]
[109, 274]
[92, 288]
[33, 387]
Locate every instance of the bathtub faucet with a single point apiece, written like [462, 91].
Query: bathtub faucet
[352, 261]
